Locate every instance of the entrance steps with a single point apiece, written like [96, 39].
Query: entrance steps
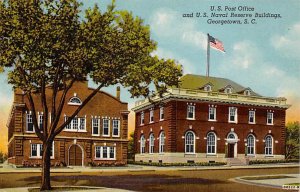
[237, 161]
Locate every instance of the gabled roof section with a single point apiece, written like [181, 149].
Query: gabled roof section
[190, 81]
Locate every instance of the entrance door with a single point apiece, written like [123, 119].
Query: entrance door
[75, 156]
[230, 150]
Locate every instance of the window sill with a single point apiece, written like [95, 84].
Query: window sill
[116, 136]
[161, 119]
[29, 131]
[233, 122]
[190, 119]
[142, 124]
[270, 124]
[75, 131]
[213, 120]
[105, 135]
[95, 135]
[151, 122]
[252, 123]
[106, 159]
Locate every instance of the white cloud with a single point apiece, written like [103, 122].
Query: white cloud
[169, 23]
[288, 44]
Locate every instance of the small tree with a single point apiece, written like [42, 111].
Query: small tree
[292, 140]
[130, 152]
[44, 44]
[3, 157]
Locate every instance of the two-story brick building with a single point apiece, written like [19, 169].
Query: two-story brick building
[209, 119]
[97, 134]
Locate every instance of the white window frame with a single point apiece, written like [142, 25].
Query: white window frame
[190, 109]
[108, 150]
[212, 111]
[151, 143]
[71, 101]
[251, 114]
[270, 116]
[114, 121]
[211, 143]
[189, 141]
[29, 120]
[142, 144]
[142, 118]
[95, 124]
[151, 116]
[39, 148]
[75, 124]
[230, 114]
[108, 127]
[162, 142]
[269, 145]
[250, 145]
[161, 114]
[40, 120]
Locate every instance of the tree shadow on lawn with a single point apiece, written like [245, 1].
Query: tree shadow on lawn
[151, 182]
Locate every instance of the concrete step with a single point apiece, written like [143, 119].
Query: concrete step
[237, 161]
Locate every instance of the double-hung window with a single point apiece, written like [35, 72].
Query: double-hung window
[142, 118]
[151, 116]
[252, 117]
[161, 113]
[269, 118]
[96, 126]
[142, 144]
[116, 128]
[151, 143]
[162, 142]
[269, 145]
[41, 117]
[29, 124]
[105, 152]
[232, 115]
[190, 112]
[105, 127]
[36, 150]
[212, 114]
[76, 124]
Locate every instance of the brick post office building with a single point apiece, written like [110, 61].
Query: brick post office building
[209, 119]
[97, 134]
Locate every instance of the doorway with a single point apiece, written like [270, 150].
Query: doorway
[75, 156]
[231, 150]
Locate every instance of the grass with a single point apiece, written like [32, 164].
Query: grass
[293, 184]
[267, 177]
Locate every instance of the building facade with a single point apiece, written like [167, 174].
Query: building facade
[209, 119]
[97, 135]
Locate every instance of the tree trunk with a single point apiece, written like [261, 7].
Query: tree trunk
[46, 166]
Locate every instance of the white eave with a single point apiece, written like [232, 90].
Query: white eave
[199, 95]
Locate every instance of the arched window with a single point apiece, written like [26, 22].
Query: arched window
[151, 143]
[162, 142]
[74, 101]
[250, 145]
[190, 142]
[269, 145]
[231, 136]
[211, 143]
[142, 147]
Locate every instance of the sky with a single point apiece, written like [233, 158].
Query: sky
[263, 56]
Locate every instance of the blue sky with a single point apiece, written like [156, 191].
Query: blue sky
[264, 56]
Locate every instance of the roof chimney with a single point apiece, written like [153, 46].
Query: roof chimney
[118, 92]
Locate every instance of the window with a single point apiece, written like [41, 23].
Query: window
[41, 117]
[212, 113]
[95, 126]
[30, 127]
[162, 142]
[211, 143]
[161, 113]
[77, 124]
[105, 127]
[151, 143]
[105, 152]
[207, 88]
[142, 118]
[231, 136]
[143, 142]
[232, 114]
[74, 101]
[36, 150]
[116, 127]
[250, 145]
[269, 118]
[151, 116]
[252, 117]
[228, 90]
[189, 142]
[269, 145]
[247, 92]
[190, 112]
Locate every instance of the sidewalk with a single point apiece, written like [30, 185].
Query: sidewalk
[92, 189]
[136, 168]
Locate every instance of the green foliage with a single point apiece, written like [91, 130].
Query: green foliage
[273, 161]
[178, 164]
[292, 144]
[3, 157]
[130, 151]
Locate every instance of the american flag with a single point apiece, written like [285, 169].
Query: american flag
[216, 44]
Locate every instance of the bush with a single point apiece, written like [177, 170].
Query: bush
[273, 161]
[179, 164]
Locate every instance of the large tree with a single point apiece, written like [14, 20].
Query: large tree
[292, 143]
[46, 44]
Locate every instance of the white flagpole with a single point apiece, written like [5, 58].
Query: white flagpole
[208, 55]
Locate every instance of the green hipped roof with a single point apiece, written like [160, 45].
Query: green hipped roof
[190, 81]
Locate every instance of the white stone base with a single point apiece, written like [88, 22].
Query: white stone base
[197, 157]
